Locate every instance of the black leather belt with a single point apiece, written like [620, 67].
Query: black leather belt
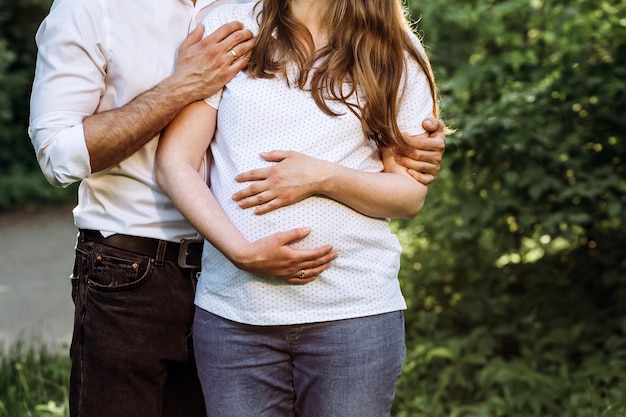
[187, 254]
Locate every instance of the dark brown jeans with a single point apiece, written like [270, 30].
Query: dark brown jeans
[132, 353]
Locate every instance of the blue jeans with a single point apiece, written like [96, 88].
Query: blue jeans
[332, 369]
[131, 351]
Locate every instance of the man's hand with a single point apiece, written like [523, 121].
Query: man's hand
[424, 162]
[204, 66]
[284, 183]
[274, 257]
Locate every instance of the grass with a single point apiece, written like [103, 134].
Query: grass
[33, 382]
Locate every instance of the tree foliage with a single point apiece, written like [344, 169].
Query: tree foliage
[515, 270]
[516, 266]
[18, 23]
[20, 179]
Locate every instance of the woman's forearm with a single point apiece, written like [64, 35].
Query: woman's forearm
[375, 194]
[178, 161]
[295, 176]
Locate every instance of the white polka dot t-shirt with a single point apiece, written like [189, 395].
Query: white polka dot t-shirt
[257, 115]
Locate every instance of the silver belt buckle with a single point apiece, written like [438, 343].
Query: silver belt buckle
[186, 247]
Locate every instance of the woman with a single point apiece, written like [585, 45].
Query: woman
[337, 82]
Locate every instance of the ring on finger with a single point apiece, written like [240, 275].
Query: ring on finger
[233, 53]
[302, 274]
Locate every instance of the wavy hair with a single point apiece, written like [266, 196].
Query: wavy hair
[367, 43]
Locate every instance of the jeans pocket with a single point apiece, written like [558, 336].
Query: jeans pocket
[74, 280]
[80, 268]
[115, 270]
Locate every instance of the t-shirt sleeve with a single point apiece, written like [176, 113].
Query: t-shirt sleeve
[214, 100]
[416, 102]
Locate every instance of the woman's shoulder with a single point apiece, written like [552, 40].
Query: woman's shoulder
[240, 11]
[416, 41]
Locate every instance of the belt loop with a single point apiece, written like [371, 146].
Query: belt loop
[160, 255]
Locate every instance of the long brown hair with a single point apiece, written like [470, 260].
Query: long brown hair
[367, 42]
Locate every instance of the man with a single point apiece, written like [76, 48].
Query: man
[110, 75]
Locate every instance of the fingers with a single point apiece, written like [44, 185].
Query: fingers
[274, 257]
[299, 281]
[438, 141]
[263, 173]
[235, 40]
[309, 274]
[421, 177]
[316, 266]
[254, 200]
[275, 156]
[304, 276]
[435, 143]
[306, 258]
[229, 30]
[424, 170]
[240, 54]
[423, 166]
[253, 175]
[228, 49]
[271, 205]
[262, 202]
[248, 196]
[293, 235]
[205, 65]
[194, 37]
[291, 178]
[432, 124]
[240, 49]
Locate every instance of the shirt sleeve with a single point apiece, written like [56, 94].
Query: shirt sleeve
[214, 100]
[69, 81]
[416, 103]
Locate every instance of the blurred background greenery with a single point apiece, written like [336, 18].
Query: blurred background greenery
[21, 182]
[515, 270]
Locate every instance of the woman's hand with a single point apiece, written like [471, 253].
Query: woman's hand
[273, 257]
[293, 177]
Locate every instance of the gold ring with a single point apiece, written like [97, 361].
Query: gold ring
[302, 274]
[232, 51]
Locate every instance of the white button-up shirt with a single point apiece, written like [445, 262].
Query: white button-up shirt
[95, 56]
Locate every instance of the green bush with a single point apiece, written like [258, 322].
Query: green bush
[21, 182]
[18, 23]
[515, 269]
[514, 272]
[31, 188]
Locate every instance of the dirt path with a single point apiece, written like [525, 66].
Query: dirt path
[36, 255]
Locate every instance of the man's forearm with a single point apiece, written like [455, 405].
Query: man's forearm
[114, 135]
[203, 67]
